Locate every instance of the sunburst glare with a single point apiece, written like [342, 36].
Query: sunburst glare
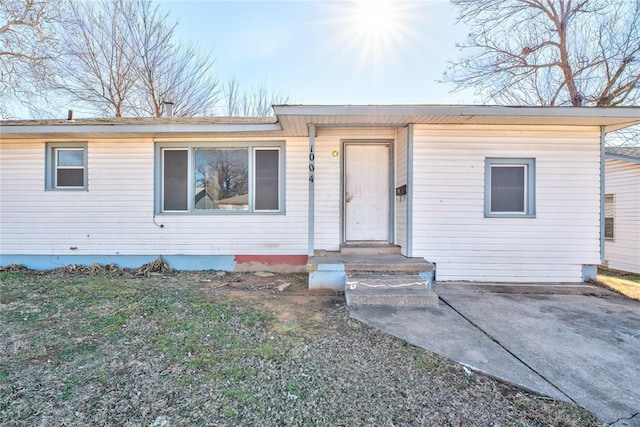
[372, 29]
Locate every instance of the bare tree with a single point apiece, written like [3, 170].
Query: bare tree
[167, 70]
[97, 70]
[550, 52]
[28, 46]
[122, 59]
[257, 102]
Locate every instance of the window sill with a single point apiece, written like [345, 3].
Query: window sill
[222, 213]
[509, 216]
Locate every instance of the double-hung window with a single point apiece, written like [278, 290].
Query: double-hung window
[509, 187]
[220, 178]
[66, 166]
[609, 216]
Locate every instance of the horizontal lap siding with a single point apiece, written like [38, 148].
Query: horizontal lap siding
[401, 179]
[116, 215]
[449, 227]
[623, 180]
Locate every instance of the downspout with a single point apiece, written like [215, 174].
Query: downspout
[602, 191]
[410, 190]
[311, 192]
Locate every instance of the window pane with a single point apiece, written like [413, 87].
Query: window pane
[70, 178]
[608, 216]
[267, 174]
[608, 228]
[70, 157]
[221, 179]
[508, 188]
[174, 171]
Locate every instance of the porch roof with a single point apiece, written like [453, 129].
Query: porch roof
[294, 120]
[298, 117]
[627, 154]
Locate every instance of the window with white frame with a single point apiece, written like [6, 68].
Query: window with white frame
[509, 187]
[66, 166]
[609, 216]
[221, 178]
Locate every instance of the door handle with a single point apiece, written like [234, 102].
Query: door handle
[348, 197]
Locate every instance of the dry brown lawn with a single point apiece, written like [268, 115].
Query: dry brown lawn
[625, 283]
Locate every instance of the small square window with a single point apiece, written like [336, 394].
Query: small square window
[66, 167]
[509, 187]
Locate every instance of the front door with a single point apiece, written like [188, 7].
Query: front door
[366, 196]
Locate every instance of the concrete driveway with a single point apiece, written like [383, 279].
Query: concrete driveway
[574, 343]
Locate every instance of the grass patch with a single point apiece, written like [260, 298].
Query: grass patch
[117, 349]
[625, 283]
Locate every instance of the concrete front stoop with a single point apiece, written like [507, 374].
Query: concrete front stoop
[374, 275]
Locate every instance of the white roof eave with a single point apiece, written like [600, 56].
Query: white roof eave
[160, 129]
[612, 118]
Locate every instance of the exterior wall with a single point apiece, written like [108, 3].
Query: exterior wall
[622, 179]
[449, 227]
[401, 179]
[328, 211]
[116, 215]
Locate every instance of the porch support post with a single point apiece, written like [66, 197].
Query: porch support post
[602, 191]
[311, 206]
[410, 190]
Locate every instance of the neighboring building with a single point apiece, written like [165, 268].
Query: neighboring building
[509, 194]
[622, 208]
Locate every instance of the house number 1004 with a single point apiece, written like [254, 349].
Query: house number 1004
[312, 158]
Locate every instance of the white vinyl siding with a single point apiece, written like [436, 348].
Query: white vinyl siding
[401, 179]
[116, 215]
[449, 225]
[623, 180]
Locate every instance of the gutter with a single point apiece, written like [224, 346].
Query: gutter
[115, 129]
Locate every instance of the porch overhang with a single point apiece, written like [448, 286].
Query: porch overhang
[295, 119]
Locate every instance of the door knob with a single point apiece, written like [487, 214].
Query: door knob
[348, 197]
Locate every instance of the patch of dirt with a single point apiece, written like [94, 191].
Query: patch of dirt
[180, 362]
[287, 296]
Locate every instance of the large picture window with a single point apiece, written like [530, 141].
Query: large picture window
[66, 167]
[509, 187]
[212, 178]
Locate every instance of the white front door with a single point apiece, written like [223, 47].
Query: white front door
[366, 197]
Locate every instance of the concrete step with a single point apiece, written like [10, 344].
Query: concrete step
[368, 249]
[385, 264]
[389, 290]
[470, 288]
[330, 269]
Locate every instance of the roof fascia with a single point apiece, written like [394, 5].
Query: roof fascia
[625, 116]
[623, 158]
[140, 129]
[632, 113]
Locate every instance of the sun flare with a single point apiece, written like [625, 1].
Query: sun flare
[372, 30]
[375, 18]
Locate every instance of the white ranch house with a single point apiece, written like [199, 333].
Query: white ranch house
[505, 194]
[622, 208]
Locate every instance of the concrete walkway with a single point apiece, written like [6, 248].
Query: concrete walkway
[573, 343]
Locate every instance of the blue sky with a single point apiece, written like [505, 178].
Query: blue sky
[338, 52]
